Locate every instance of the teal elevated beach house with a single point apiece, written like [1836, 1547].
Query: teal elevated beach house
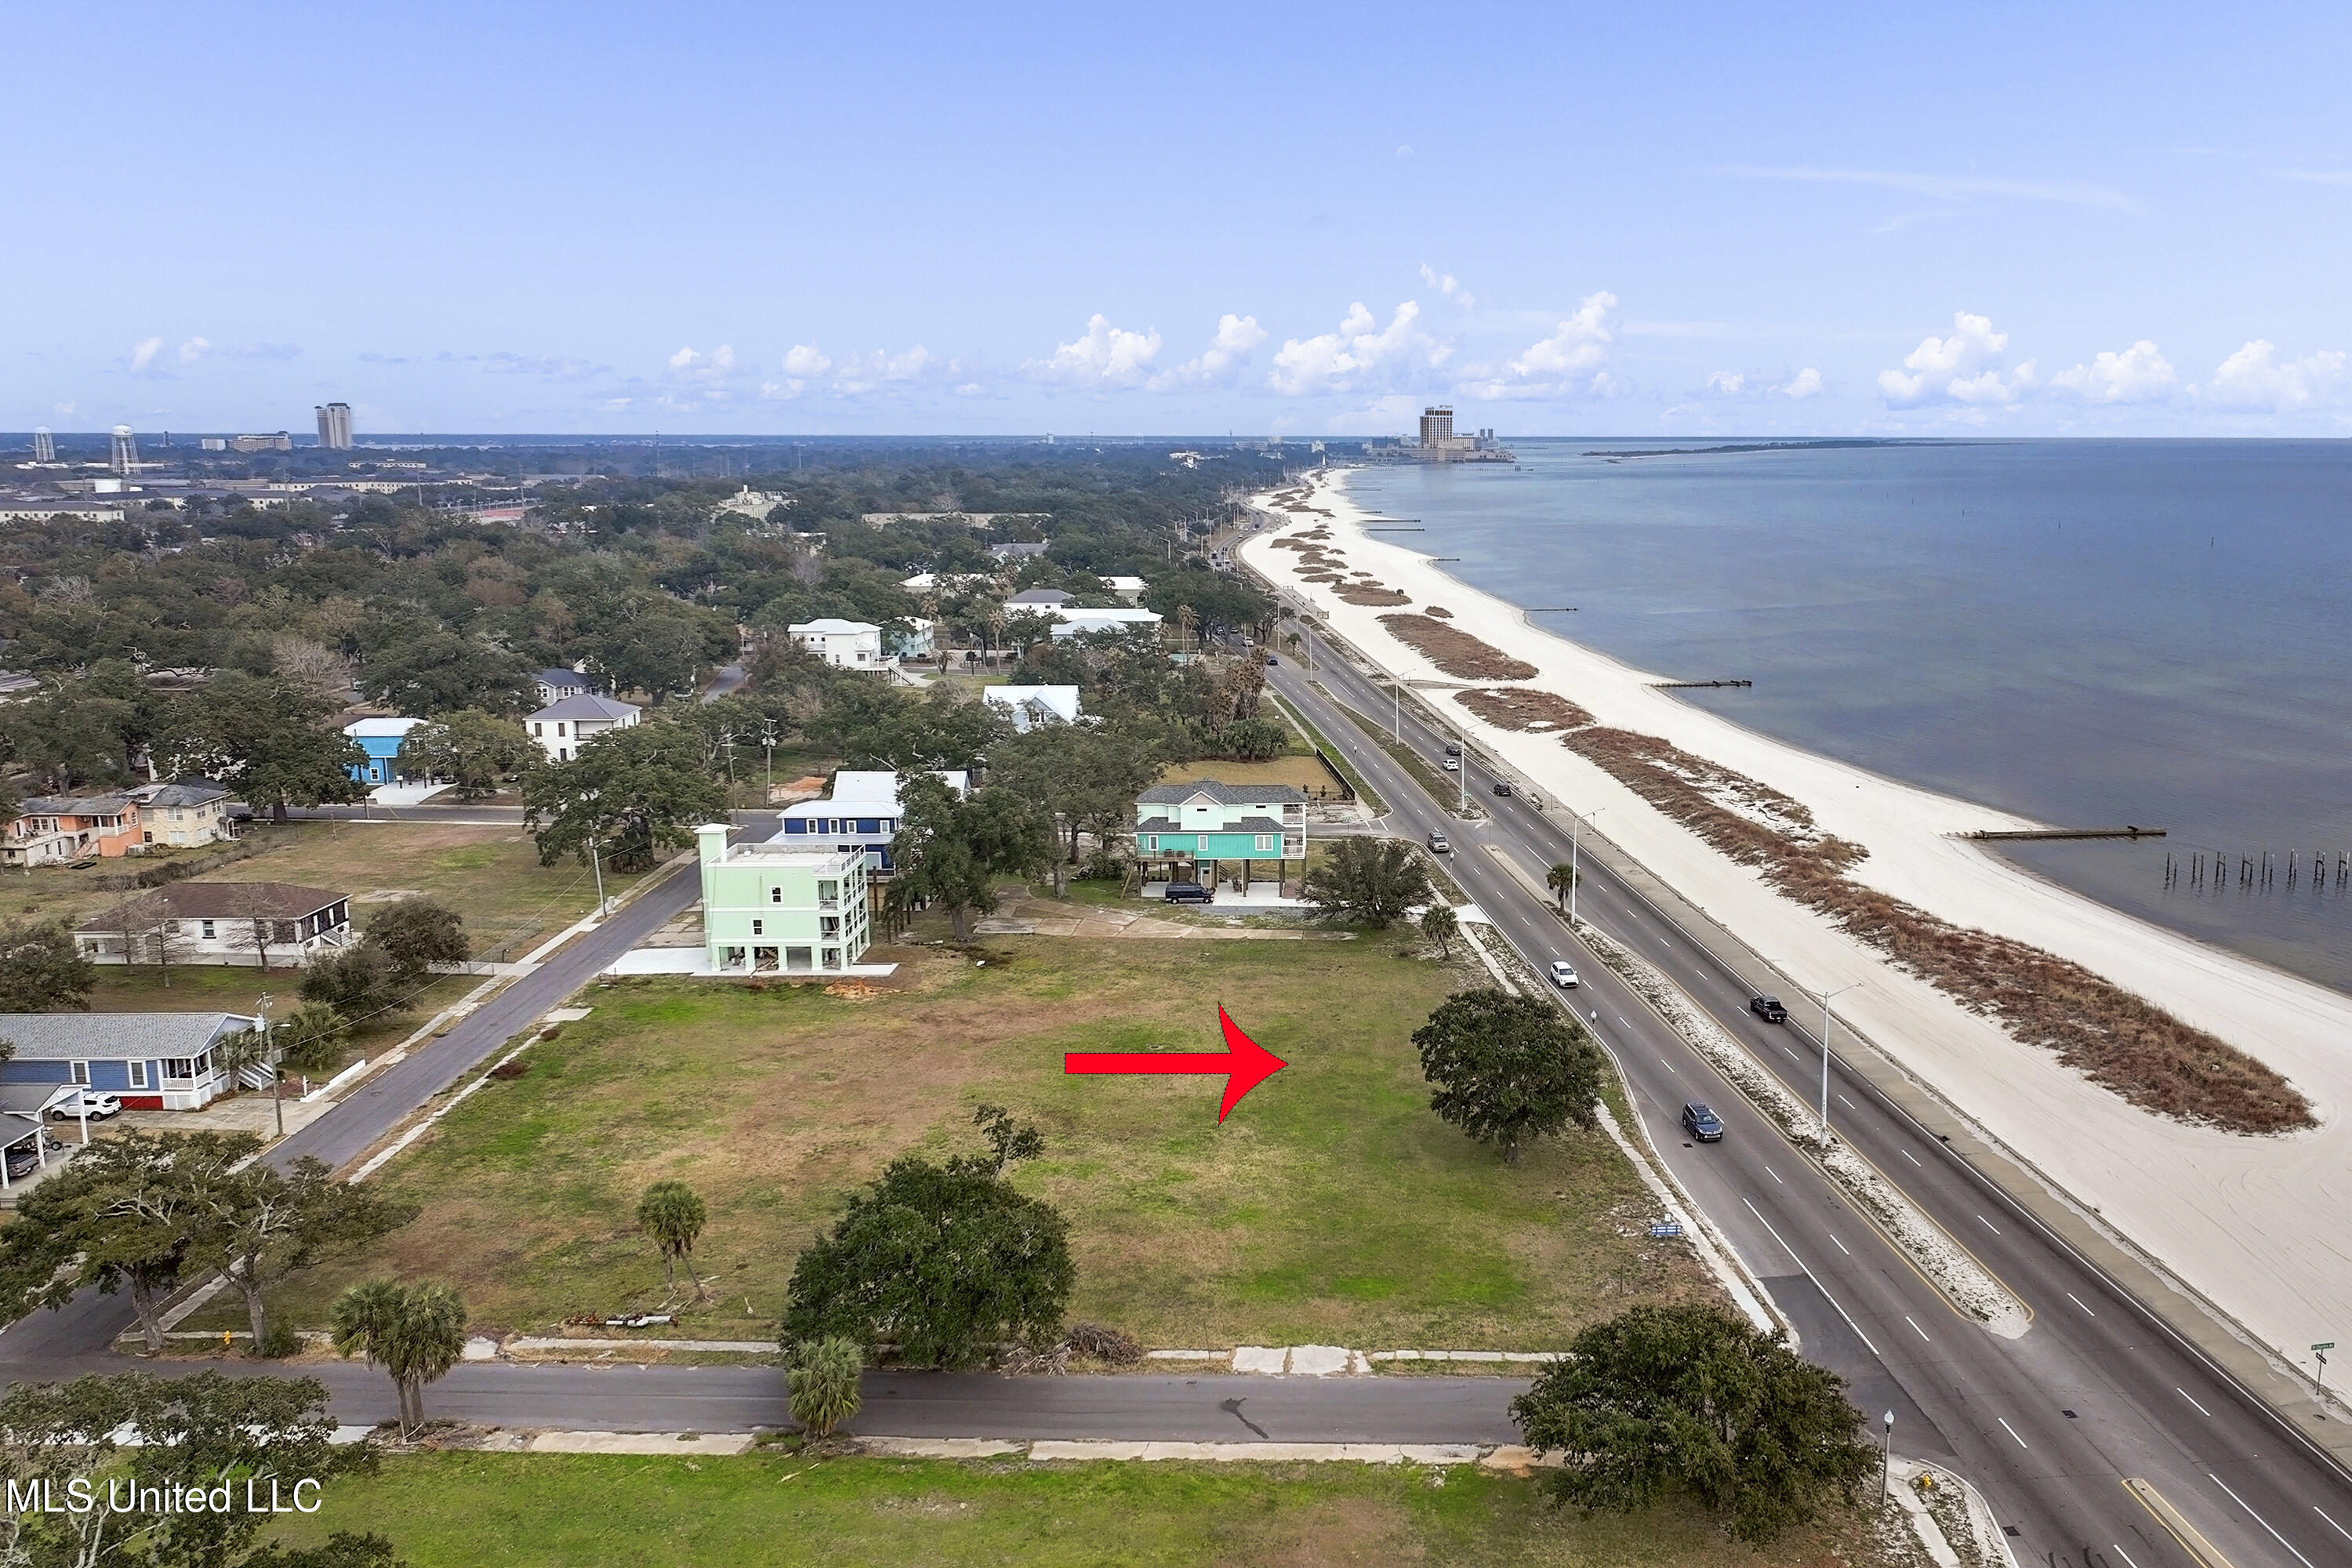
[1192, 832]
[779, 909]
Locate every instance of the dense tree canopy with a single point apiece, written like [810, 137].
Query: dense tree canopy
[629, 794]
[1508, 1068]
[1695, 1398]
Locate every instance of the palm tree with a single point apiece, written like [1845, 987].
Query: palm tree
[1439, 924]
[1560, 879]
[823, 1381]
[416, 1333]
[311, 1036]
[673, 1214]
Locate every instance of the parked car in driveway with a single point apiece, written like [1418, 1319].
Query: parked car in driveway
[1702, 1123]
[1563, 974]
[1189, 893]
[1768, 1008]
[97, 1107]
[1440, 845]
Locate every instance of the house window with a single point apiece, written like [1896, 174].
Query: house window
[1265, 843]
[869, 825]
[139, 1075]
[538, 728]
[80, 1071]
[208, 931]
[758, 928]
[775, 895]
[1151, 841]
[559, 730]
[188, 1068]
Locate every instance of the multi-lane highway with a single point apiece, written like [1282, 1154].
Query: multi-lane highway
[2050, 1424]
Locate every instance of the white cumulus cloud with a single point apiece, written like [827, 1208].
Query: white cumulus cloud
[1221, 361]
[716, 366]
[1564, 364]
[1357, 356]
[1104, 355]
[861, 373]
[1964, 368]
[1444, 283]
[2139, 373]
[1727, 383]
[142, 355]
[194, 350]
[2256, 378]
[806, 362]
[1806, 383]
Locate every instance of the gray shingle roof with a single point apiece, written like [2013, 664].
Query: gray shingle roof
[77, 805]
[185, 794]
[1223, 794]
[59, 1037]
[587, 705]
[214, 901]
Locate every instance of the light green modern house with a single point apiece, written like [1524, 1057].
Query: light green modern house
[1192, 832]
[778, 909]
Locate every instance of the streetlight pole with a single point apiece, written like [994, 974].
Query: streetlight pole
[1826, 997]
[1575, 832]
[597, 863]
[277, 1101]
[1886, 1460]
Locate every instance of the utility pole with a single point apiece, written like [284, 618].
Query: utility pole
[277, 1101]
[1575, 833]
[767, 739]
[1826, 996]
[1887, 1459]
[597, 863]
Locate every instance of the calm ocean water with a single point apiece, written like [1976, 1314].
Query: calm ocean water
[2090, 633]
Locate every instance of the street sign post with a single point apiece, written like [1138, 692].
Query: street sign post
[2319, 1378]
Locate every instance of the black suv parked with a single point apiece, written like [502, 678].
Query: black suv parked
[1189, 893]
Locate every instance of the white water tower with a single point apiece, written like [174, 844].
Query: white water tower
[45, 449]
[123, 459]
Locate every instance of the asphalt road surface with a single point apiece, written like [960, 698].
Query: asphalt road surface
[2049, 1424]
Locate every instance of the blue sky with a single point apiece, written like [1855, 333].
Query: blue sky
[1635, 219]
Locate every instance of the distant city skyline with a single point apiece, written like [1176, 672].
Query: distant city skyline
[936, 221]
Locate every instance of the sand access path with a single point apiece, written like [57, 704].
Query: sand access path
[2260, 1225]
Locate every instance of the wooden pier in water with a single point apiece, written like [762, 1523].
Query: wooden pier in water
[2014, 835]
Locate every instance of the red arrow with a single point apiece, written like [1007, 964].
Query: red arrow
[1245, 1062]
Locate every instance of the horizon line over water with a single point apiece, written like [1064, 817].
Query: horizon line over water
[2088, 633]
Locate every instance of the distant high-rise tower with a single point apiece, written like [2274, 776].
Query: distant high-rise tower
[1436, 426]
[45, 450]
[124, 457]
[335, 426]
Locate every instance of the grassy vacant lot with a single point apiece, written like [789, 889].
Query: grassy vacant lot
[1300, 771]
[1331, 1207]
[235, 988]
[490, 875]
[526, 1508]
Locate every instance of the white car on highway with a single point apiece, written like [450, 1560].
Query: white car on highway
[1563, 974]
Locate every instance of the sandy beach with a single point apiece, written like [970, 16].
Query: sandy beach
[2260, 1225]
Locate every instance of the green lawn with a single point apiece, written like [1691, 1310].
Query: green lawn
[239, 988]
[489, 875]
[1332, 1207]
[469, 1509]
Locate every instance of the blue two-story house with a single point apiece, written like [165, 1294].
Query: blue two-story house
[380, 739]
[861, 815]
[151, 1061]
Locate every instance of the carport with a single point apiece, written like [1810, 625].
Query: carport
[24, 1112]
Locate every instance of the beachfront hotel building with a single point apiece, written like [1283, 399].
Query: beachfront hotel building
[1439, 444]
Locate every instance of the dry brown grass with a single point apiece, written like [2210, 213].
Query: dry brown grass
[2112, 1036]
[1456, 651]
[1440, 611]
[1373, 593]
[1520, 708]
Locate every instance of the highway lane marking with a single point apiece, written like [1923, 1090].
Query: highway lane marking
[1917, 1329]
[2258, 1519]
[2192, 1399]
[1801, 1263]
[2185, 1535]
[2010, 1429]
[1988, 1225]
[1670, 1067]
[2125, 1555]
[1774, 1174]
[2338, 1528]
[1792, 1055]
[1913, 1158]
[1838, 1245]
[1848, 1104]
[2078, 1301]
